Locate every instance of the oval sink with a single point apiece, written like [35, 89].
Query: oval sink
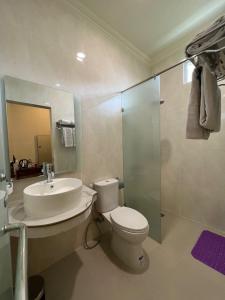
[44, 199]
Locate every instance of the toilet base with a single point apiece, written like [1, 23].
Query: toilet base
[132, 255]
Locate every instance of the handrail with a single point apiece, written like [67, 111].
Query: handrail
[21, 289]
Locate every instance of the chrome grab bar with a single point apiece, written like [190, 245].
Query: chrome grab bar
[21, 288]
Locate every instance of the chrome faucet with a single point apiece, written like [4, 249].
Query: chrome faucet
[47, 171]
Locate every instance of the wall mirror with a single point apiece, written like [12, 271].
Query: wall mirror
[41, 128]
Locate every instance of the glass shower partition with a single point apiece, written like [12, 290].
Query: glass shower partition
[141, 151]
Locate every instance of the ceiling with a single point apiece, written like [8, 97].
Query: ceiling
[153, 25]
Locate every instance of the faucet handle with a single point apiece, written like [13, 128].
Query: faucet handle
[49, 167]
[43, 170]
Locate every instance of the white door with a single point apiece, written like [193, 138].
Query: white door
[44, 149]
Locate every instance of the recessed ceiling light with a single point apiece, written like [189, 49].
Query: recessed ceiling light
[80, 56]
[57, 84]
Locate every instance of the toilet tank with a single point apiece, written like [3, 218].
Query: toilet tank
[108, 195]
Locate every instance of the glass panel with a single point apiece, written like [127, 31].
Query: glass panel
[141, 145]
[5, 258]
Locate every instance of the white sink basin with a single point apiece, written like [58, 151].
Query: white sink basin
[44, 199]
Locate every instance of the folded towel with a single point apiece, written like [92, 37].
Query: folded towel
[207, 38]
[194, 130]
[211, 38]
[65, 122]
[204, 110]
[68, 137]
[210, 108]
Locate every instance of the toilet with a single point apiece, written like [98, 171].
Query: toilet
[129, 227]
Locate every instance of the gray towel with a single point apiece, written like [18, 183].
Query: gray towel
[194, 129]
[210, 108]
[204, 110]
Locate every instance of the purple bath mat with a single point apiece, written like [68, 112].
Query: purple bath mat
[210, 249]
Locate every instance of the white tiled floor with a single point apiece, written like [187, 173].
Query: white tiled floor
[173, 274]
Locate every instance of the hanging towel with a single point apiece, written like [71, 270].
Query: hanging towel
[204, 110]
[74, 137]
[210, 109]
[193, 129]
[68, 137]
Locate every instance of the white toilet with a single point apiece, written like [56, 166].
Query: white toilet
[129, 227]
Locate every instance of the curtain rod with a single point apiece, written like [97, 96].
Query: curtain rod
[174, 66]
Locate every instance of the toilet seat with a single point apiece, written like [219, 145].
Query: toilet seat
[128, 219]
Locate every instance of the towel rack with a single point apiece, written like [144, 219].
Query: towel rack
[60, 124]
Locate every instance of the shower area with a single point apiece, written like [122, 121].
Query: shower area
[141, 151]
[165, 173]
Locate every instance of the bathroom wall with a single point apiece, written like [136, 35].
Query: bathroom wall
[39, 41]
[40, 45]
[192, 182]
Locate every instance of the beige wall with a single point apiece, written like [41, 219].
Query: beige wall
[39, 41]
[40, 46]
[192, 170]
[24, 123]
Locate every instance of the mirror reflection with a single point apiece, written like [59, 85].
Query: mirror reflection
[29, 138]
[39, 131]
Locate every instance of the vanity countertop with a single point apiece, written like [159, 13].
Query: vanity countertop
[17, 213]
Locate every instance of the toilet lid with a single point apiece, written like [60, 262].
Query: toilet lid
[129, 219]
